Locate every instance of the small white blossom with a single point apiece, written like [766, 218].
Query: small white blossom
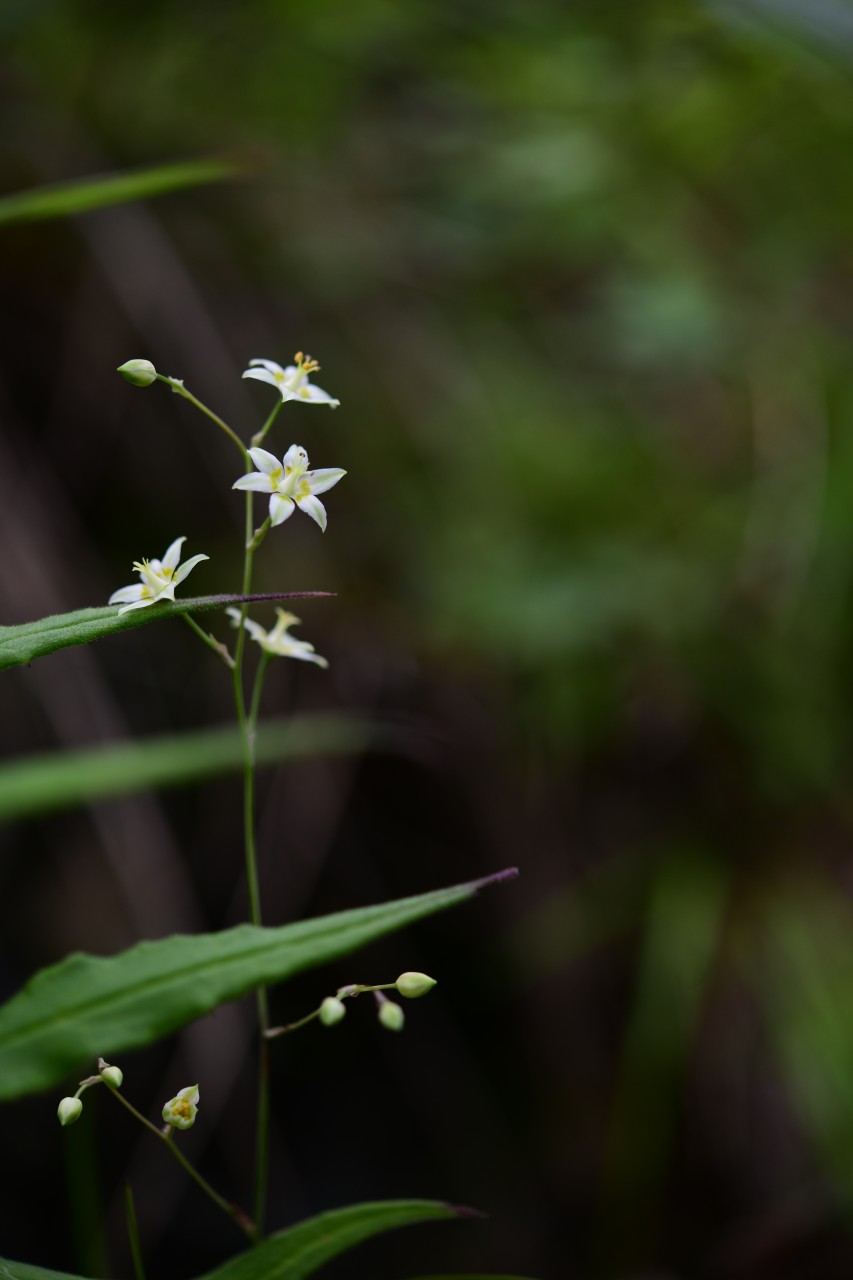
[279, 641]
[292, 382]
[289, 482]
[158, 579]
[180, 1111]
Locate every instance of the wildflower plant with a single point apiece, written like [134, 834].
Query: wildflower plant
[85, 1004]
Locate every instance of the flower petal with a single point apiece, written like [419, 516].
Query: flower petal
[281, 508]
[140, 604]
[271, 367]
[320, 481]
[296, 457]
[186, 567]
[313, 394]
[255, 482]
[127, 593]
[262, 375]
[266, 462]
[313, 507]
[173, 555]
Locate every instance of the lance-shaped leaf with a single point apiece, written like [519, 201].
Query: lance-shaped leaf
[301, 1250]
[28, 640]
[23, 1271]
[88, 1006]
[53, 780]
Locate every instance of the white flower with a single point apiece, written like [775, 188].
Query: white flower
[290, 481]
[180, 1111]
[159, 579]
[292, 382]
[279, 641]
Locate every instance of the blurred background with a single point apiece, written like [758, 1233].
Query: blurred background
[580, 275]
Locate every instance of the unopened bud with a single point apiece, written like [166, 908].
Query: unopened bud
[331, 1011]
[69, 1110]
[112, 1076]
[413, 985]
[391, 1015]
[139, 373]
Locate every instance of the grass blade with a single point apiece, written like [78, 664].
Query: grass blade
[61, 199]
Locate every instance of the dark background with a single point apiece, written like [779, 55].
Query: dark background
[581, 275]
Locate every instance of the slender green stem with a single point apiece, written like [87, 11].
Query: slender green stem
[233, 1210]
[260, 436]
[218, 648]
[180, 390]
[275, 1032]
[247, 729]
[255, 705]
[343, 993]
[133, 1233]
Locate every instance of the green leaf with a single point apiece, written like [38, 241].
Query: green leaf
[61, 199]
[23, 1271]
[87, 1006]
[301, 1250]
[28, 640]
[37, 784]
[298, 1251]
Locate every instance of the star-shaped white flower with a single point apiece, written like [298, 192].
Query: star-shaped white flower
[180, 1111]
[158, 579]
[292, 382]
[289, 482]
[279, 641]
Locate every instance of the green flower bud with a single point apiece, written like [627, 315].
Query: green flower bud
[69, 1110]
[331, 1011]
[139, 373]
[391, 1016]
[112, 1076]
[413, 985]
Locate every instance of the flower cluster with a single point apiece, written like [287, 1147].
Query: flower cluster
[290, 483]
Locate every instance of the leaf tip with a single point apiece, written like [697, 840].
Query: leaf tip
[509, 873]
[465, 1211]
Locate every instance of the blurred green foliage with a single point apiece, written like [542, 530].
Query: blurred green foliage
[581, 276]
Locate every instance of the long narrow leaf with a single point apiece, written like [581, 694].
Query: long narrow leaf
[20, 644]
[298, 1251]
[37, 784]
[23, 1271]
[87, 1006]
[301, 1250]
[61, 199]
